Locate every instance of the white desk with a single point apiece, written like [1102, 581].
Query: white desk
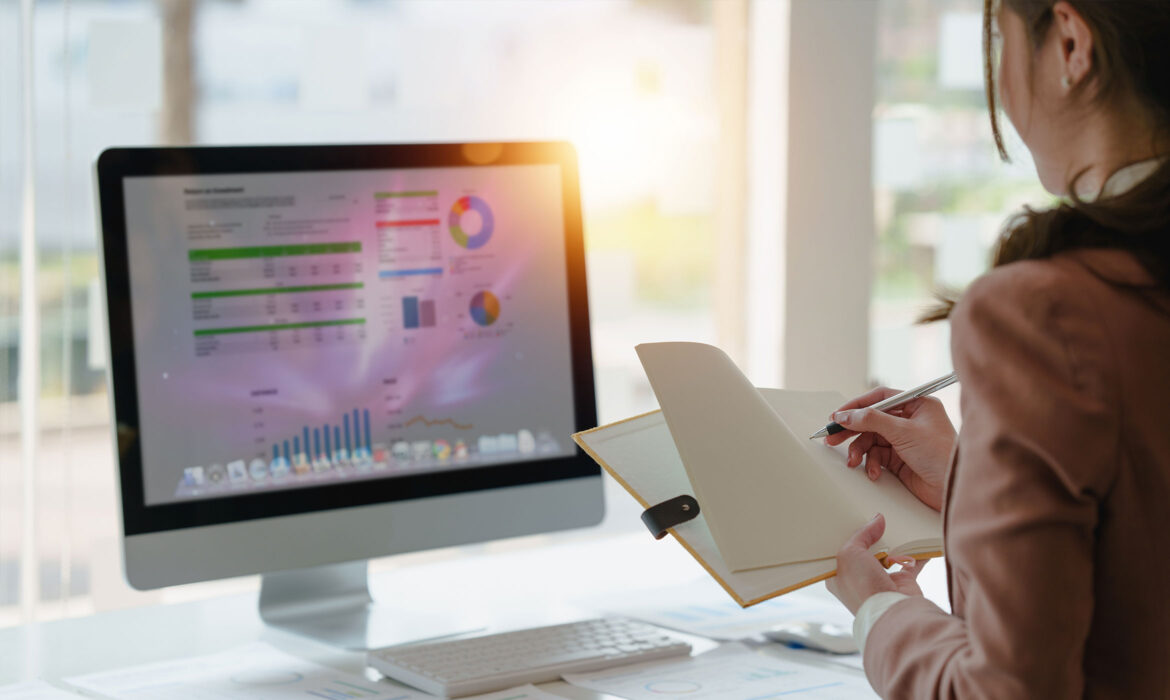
[558, 581]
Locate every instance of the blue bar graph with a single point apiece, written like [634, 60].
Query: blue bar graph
[332, 444]
[418, 313]
[410, 312]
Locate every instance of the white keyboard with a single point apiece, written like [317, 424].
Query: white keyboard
[493, 662]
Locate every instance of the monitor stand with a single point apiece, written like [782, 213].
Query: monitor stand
[332, 604]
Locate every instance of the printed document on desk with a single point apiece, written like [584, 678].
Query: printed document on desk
[702, 608]
[252, 672]
[525, 692]
[731, 672]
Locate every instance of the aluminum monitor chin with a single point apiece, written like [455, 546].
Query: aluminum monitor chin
[322, 354]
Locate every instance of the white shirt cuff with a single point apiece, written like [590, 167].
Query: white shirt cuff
[869, 612]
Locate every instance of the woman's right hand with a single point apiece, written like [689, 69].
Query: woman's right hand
[913, 441]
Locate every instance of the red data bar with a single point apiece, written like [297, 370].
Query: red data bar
[413, 222]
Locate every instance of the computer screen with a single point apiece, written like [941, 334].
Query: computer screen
[306, 328]
[303, 328]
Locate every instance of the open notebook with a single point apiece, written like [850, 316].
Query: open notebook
[775, 506]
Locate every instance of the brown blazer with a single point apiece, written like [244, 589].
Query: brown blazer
[1056, 511]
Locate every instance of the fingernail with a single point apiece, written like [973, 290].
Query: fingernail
[875, 517]
[842, 417]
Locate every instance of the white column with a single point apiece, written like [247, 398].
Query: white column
[28, 380]
[730, 19]
[767, 188]
[829, 229]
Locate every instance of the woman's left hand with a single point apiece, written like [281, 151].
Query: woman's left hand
[860, 575]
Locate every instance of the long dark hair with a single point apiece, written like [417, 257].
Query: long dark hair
[1130, 60]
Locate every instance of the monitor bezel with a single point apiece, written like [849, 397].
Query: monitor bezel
[116, 164]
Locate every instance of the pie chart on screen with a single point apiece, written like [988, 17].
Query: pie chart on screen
[485, 308]
[466, 233]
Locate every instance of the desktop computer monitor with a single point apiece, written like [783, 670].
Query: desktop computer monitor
[322, 354]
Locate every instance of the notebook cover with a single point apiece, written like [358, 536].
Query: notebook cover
[640, 454]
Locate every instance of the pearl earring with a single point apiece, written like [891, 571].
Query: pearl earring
[1065, 83]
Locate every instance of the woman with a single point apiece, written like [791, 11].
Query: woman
[1056, 493]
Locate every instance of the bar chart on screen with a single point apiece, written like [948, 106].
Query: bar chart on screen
[418, 313]
[321, 446]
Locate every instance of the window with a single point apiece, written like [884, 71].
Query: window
[941, 194]
[635, 84]
[631, 82]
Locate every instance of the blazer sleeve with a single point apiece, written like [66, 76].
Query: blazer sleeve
[1036, 453]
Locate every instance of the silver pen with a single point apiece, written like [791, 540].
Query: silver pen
[895, 400]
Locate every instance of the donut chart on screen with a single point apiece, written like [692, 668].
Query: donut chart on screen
[485, 308]
[486, 222]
